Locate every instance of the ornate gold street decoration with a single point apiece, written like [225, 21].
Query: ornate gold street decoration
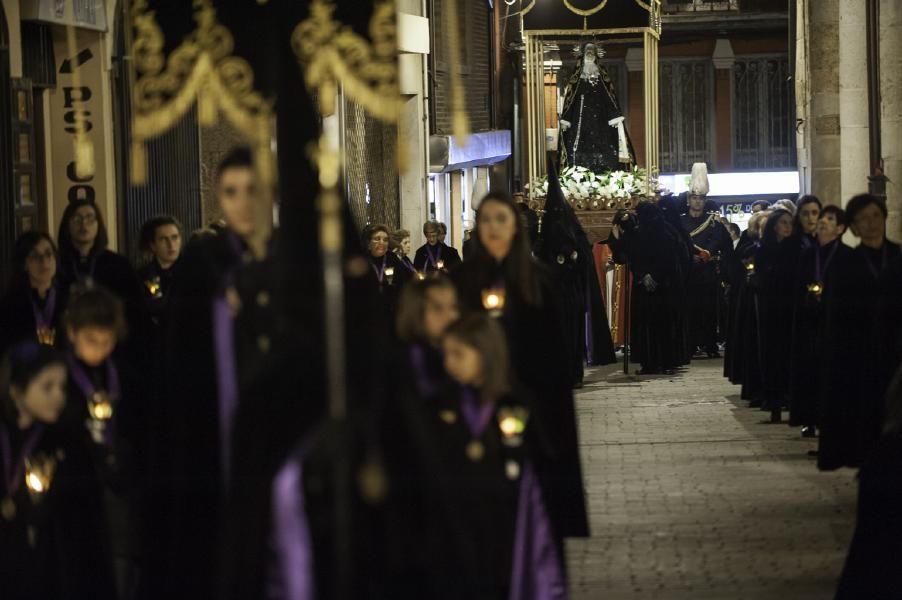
[201, 69]
[332, 54]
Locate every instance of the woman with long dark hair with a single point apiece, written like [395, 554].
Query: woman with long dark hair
[34, 301]
[502, 278]
[83, 255]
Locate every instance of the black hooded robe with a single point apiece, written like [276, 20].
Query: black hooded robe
[852, 411]
[805, 381]
[653, 249]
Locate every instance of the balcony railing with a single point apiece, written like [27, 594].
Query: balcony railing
[700, 6]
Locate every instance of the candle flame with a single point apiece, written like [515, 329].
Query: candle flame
[511, 426]
[34, 482]
[102, 411]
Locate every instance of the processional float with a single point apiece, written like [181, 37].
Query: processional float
[549, 27]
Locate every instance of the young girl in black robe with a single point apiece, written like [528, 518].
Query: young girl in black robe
[31, 308]
[52, 542]
[503, 279]
[104, 414]
[483, 431]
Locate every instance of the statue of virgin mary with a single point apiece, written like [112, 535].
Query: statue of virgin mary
[592, 131]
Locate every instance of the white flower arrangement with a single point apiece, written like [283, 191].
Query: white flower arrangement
[584, 189]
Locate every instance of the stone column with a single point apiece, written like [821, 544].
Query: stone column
[853, 99]
[413, 126]
[823, 124]
[891, 119]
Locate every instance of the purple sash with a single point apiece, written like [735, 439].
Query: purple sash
[408, 265]
[226, 377]
[476, 414]
[43, 318]
[224, 354]
[294, 571]
[380, 272]
[14, 470]
[84, 383]
[433, 259]
[536, 572]
[424, 383]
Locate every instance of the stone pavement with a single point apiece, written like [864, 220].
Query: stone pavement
[691, 497]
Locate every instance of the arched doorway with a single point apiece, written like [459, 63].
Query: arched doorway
[7, 188]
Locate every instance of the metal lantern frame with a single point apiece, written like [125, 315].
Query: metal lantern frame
[535, 40]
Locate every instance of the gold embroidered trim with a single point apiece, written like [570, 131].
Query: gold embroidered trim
[331, 53]
[201, 69]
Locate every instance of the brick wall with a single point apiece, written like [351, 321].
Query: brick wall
[476, 75]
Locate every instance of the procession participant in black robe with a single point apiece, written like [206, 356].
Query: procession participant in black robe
[743, 359]
[652, 250]
[191, 449]
[413, 506]
[435, 254]
[736, 274]
[853, 412]
[387, 270]
[34, 301]
[710, 244]
[872, 565]
[671, 208]
[774, 314]
[83, 256]
[104, 413]
[400, 245]
[566, 251]
[483, 431]
[816, 274]
[503, 279]
[161, 242]
[51, 521]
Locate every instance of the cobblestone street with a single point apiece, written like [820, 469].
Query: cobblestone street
[691, 497]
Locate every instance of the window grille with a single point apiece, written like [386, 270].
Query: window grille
[675, 6]
[763, 131]
[686, 100]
